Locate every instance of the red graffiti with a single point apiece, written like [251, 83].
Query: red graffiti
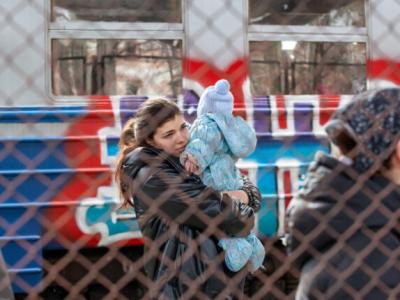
[207, 74]
[82, 149]
[328, 104]
[282, 113]
[384, 69]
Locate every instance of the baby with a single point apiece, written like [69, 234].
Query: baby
[217, 141]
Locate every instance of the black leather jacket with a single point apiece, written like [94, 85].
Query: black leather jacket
[182, 220]
[344, 234]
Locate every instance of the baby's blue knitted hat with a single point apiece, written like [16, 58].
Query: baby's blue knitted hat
[216, 99]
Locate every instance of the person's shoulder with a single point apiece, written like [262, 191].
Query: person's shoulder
[321, 172]
[149, 157]
[146, 164]
[140, 155]
[136, 161]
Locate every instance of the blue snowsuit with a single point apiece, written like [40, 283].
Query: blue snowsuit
[217, 141]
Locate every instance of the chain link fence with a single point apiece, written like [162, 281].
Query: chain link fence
[73, 73]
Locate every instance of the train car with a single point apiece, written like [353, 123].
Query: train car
[74, 71]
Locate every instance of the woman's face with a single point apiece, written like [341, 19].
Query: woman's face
[171, 137]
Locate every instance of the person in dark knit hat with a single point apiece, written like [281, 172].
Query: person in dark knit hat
[343, 228]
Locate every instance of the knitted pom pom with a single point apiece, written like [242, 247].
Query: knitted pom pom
[216, 99]
[222, 86]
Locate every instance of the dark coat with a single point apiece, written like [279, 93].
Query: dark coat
[344, 234]
[182, 220]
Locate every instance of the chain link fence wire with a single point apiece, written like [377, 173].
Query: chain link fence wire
[73, 73]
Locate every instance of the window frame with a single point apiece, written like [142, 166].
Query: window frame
[273, 33]
[308, 33]
[104, 31]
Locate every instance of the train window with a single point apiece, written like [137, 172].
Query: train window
[116, 67]
[290, 67]
[117, 11]
[308, 12]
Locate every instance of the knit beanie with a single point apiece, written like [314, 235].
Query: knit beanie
[372, 123]
[216, 99]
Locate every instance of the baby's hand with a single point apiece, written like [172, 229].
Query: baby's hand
[191, 164]
[191, 167]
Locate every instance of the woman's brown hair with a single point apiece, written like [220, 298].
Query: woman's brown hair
[152, 114]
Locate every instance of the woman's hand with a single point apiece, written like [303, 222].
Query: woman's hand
[239, 194]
